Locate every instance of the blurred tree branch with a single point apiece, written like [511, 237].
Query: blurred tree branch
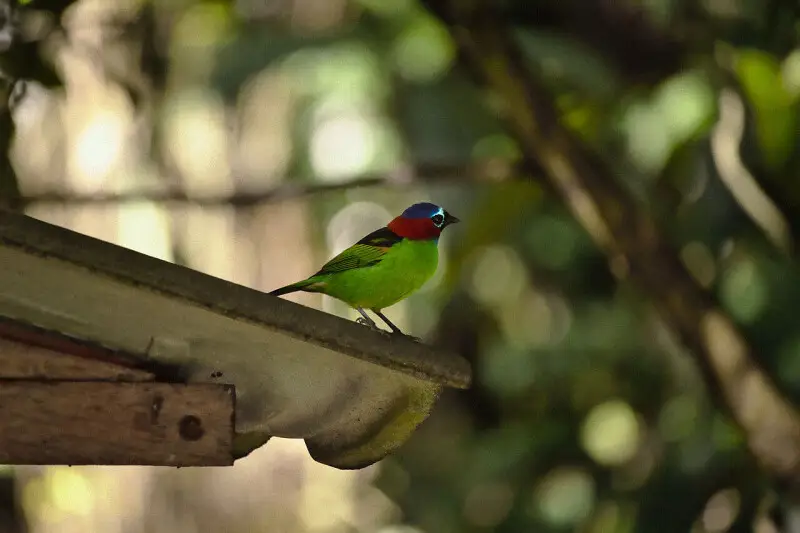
[428, 173]
[634, 245]
[618, 29]
[9, 188]
[775, 184]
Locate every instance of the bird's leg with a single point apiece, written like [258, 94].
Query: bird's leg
[388, 322]
[365, 320]
[395, 329]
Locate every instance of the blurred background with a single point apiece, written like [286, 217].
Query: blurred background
[253, 139]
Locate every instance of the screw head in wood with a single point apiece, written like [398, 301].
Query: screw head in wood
[191, 428]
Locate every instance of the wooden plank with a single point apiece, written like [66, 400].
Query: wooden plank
[27, 351]
[24, 361]
[77, 423]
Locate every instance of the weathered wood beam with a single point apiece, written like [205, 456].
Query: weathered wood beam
[27, 352]
[106, 423]
[67, 401]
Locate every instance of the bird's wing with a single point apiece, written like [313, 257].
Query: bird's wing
[366, 252]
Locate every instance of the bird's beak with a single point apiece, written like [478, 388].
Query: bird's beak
[450, 219]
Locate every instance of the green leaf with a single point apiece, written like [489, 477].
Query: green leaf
[773, 105]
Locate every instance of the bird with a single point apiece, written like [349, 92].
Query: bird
[385, 266]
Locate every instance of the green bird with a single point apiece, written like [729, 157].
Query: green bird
[384, 267]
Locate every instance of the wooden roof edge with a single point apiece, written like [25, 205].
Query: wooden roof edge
[82, 352]
[235, 301]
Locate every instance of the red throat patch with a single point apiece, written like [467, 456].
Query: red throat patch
[416, 229]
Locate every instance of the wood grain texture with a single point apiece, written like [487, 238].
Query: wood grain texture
[20, 360]
[32, 351]
[78, 423]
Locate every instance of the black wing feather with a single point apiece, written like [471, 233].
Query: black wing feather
[382, 238]
[366, 252]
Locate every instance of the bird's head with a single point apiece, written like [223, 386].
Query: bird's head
[422, 221]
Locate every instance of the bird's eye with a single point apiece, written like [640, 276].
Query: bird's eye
[438, 219]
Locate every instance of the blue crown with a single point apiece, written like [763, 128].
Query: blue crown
[422, 210]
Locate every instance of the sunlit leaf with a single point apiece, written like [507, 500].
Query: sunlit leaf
[773, 105]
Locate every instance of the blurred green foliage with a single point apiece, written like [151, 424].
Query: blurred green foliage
[586, 414]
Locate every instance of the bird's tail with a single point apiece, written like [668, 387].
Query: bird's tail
[294, 287]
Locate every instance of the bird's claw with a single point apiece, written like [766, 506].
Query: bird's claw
[371, 325]
[410, 337]
[374, 327]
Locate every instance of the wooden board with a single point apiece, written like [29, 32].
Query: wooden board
[77, 423]
[19, 360]
[28, 351]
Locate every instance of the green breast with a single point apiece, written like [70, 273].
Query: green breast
[404, 269]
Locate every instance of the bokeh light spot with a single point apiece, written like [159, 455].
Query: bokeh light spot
[677, 110]
[145, 227]
[791, 73]
[71, 492]
[98, 147]
[565, 496]
[528, 321]
[342, 146]
[204, 24]
[196, 140]
[498, 276]
[348, 74]
[610, 433]
[686, 102]
[762, 82]
[743, 290]
[648, 141]
[424, 50]
[265, 112]
[700, 262]
[721, 511]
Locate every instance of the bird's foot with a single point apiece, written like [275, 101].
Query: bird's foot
[364, 322]
[401, 334]
[370, 324]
